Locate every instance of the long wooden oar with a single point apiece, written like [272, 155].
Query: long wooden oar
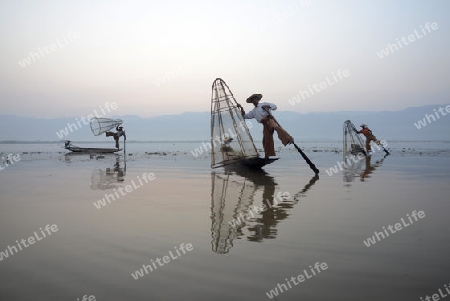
[385, 150]
[311, 165]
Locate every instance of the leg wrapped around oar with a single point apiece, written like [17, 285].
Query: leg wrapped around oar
[377, 142]
[269, 126]
[286, 138]
[273, 125]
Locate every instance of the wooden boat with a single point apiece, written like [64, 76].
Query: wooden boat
[257, 162]
[97, 150]
[231, 142]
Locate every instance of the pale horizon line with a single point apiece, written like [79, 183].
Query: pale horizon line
[196, 112]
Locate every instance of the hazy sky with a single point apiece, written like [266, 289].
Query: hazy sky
[87, 53]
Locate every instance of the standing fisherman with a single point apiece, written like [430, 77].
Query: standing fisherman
[120, 132]
[369, 136]
[261, 112]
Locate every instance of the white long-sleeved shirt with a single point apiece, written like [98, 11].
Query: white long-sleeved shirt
[121, 133]
[258, 112]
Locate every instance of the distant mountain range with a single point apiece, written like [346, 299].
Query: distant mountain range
[415, 123]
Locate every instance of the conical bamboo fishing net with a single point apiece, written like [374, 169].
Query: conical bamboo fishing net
[231, 141]
[101, 125]
[352, 142]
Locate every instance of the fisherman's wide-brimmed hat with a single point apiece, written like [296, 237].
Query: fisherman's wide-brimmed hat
[363, 125]
[257, 96]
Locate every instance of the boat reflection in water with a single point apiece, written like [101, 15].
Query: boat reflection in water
[362, 168]
[246, 204]
[102, 178]
[109, 177]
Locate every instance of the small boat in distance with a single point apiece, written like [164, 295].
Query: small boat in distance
[97, 150]
[98, 127]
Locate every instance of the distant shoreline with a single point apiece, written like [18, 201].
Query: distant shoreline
[133, 141]
[184, 141]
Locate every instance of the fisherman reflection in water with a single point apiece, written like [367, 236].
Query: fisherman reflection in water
[261, 112]
[120, 132]
[370, 168]
[264, 227]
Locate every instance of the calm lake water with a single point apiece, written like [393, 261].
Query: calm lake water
[202, 235]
